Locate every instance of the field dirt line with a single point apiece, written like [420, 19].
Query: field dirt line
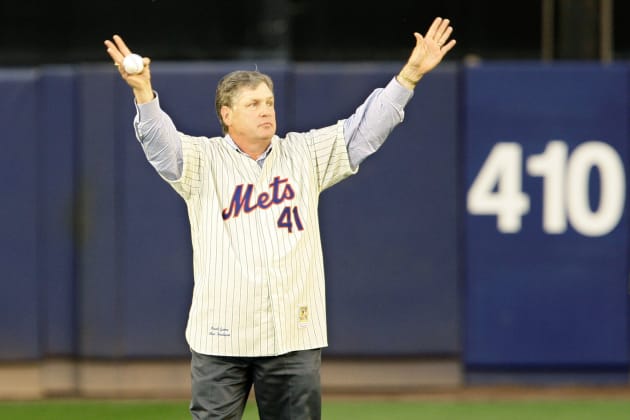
[486, 393]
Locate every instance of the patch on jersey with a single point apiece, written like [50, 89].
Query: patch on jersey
[302, 315]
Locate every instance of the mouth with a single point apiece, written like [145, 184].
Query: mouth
[266, 125]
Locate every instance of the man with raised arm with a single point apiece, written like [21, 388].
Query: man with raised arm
[258, 313]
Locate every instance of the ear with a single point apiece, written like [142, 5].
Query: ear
[226, 115]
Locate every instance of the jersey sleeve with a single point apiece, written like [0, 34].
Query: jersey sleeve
[188, 184]
[330, 153]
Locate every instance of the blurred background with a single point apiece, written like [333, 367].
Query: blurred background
[33, 32]
[485, 244]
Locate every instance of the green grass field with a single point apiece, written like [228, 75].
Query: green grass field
[333, 410]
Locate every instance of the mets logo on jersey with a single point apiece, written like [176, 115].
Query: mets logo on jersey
[243, 199]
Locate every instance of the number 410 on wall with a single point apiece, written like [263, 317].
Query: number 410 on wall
[497, 188]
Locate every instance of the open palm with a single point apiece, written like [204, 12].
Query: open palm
[429, 50]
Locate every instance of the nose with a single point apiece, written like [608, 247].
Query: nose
[267, 110]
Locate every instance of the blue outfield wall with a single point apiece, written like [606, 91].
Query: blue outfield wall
[20, 292]
[546, 262]
[491, 226]
[57, 221]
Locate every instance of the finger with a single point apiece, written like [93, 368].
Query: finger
[445, 36]
[442, 28]
[434, 26]
[448, 47]
[122, 47]
[113, 52]
[419, 38]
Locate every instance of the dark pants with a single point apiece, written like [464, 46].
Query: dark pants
[286, 386]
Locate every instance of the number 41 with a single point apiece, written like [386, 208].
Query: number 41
[286, 221]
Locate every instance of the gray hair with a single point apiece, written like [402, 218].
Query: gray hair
[230, 85]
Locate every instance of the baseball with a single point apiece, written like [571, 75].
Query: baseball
[133, 64]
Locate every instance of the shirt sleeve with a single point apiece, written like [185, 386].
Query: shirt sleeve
[159, 139]
[368, 128]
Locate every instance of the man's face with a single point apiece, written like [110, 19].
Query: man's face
[252, 117]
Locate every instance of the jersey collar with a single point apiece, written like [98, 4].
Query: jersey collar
[262, 157]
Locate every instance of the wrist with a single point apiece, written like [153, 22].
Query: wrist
[143, 95]
[409, 76]
[406, 81]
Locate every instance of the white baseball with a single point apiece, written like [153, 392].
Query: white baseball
[133, 64]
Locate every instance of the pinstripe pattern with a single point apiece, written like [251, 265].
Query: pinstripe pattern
[259, 287]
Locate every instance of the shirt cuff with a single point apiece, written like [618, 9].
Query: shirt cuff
[398, 93]
[149, 110]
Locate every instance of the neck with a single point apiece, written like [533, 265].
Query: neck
[254, 149]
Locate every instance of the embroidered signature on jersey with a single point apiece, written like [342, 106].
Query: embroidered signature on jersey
[243, 200]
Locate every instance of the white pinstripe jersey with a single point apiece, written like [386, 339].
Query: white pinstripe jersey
[258, 264]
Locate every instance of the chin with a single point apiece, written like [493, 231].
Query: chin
[269, 131]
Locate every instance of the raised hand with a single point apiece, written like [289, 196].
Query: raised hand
[427, 53]
[140, 82]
